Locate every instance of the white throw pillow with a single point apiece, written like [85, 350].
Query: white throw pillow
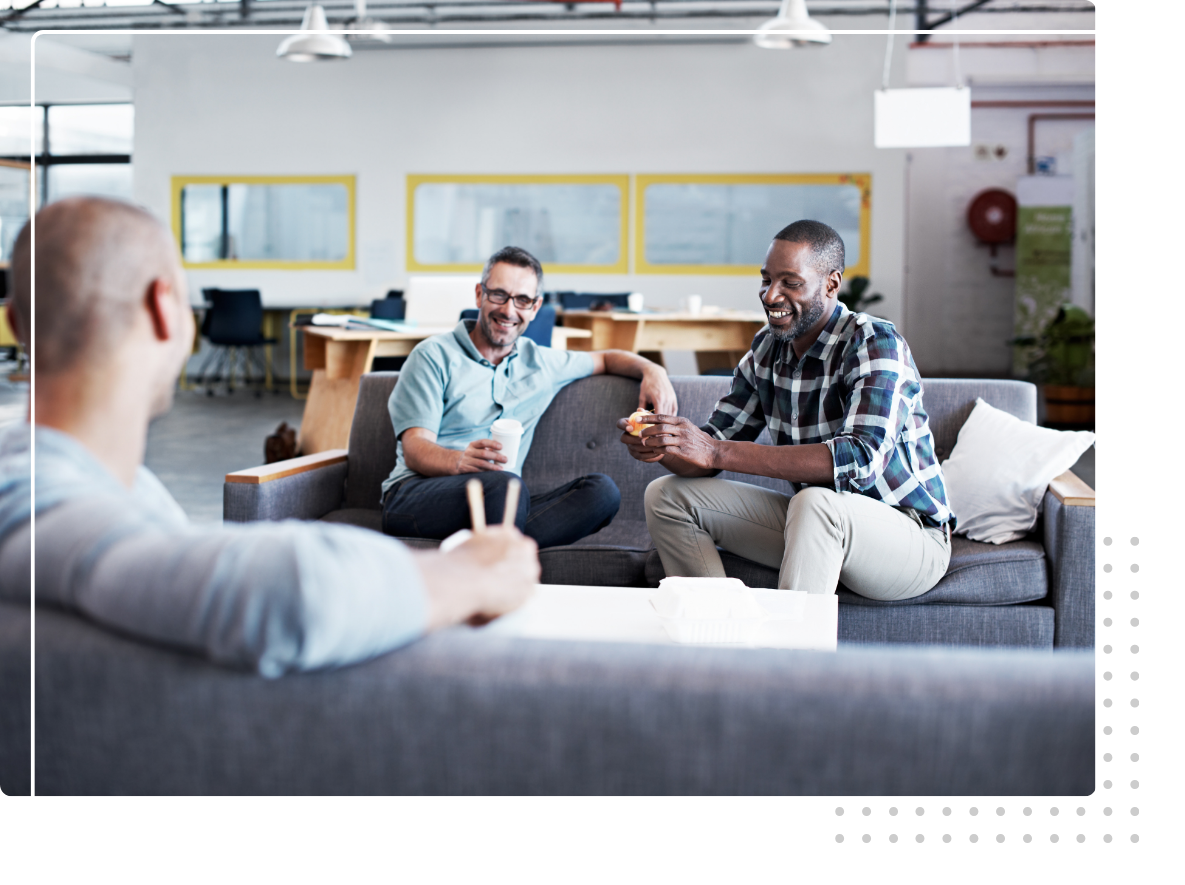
[998, 472]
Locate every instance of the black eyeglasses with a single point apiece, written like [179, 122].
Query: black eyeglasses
[522, 302]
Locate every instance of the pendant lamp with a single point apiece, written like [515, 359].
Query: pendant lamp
[780, 32]
[314, 42]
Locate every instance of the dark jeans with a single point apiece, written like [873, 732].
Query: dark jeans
[436, 506]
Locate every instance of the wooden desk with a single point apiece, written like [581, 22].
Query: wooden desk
[338, 358]
[718, 339]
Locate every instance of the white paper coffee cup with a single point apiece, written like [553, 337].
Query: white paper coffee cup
[636, 300]
[509, 433]
[694, 304]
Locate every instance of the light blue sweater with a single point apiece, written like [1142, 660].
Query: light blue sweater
[274, 597]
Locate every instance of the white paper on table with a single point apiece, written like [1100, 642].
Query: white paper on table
[330, 319]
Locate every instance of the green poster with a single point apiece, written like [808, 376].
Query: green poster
[1043, 239]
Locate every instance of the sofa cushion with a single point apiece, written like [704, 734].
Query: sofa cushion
[372, 441]
[948, 402]
[978, 574]
[366, 517]
[615, 557]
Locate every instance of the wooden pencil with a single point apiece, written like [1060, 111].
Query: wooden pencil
[512, 491]
[477, 505]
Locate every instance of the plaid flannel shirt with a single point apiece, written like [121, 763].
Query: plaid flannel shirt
[858, 392]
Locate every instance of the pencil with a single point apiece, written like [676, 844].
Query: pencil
[512, 490]
[477, 506]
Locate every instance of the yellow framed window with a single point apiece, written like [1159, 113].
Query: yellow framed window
[571, 223]
[277, 222]
[722, 224]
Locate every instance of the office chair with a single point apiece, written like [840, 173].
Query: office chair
[538, 330]
[232, 325]
[393, 307]
[586, 300]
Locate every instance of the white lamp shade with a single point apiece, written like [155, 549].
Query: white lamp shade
[314, 42]
[939, 117]
[792, 27]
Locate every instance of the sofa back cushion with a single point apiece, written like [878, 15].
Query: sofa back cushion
[372, 442]
[949, 401]
[578, 433]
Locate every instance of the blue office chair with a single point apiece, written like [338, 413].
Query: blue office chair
[587, 300]
[393, 307]
[538, 330]
[232, 326]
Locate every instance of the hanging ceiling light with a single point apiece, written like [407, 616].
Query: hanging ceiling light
[779, 33]
[363, 22]
[314, 42]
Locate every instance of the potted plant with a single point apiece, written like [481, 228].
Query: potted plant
[854, 299]
[1063, 363]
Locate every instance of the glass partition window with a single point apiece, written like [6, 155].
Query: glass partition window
[91, 129]
[266, 222]
[14, 206]
[723, 224]
[14, 131]
[78, 149]
[570, 223]
[101, 180]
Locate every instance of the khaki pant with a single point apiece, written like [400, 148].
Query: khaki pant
[815, 539]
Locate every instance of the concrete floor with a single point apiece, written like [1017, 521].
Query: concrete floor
[203, 438]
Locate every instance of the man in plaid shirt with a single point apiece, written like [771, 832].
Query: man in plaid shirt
[840, 395]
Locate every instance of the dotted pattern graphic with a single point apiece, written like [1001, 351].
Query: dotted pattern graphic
[1077, 822]
[1118, 634]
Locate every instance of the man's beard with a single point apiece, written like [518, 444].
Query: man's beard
[494, 334]
[807, 319]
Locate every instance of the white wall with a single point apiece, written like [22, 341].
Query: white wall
[957, 316]
[225, 104]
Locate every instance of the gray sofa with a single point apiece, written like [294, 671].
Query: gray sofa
[1035, 593]
[469, 712]
[466, 712]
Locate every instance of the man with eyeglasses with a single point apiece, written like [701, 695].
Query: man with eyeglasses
[454, 386]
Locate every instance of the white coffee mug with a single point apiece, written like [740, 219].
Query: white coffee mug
[695, 304]
[635, 301]
[509, 433]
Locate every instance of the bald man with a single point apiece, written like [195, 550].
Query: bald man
[113, 328]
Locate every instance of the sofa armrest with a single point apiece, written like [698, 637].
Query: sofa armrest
[1069, 548]
[1072, 491]
[298, 488]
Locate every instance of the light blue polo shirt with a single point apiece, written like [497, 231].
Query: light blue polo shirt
[447, 386]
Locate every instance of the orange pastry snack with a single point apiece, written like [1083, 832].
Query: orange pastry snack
[635, 427]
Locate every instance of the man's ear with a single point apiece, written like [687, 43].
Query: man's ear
[14, 323]
[477, 289]
[834, 281]
[160, 303]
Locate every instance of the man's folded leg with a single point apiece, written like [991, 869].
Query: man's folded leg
[689, 516]
[876, 550]
[573, 511]
[437, 506]
[815, 539]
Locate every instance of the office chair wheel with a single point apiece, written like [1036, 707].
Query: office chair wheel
[209, 391]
